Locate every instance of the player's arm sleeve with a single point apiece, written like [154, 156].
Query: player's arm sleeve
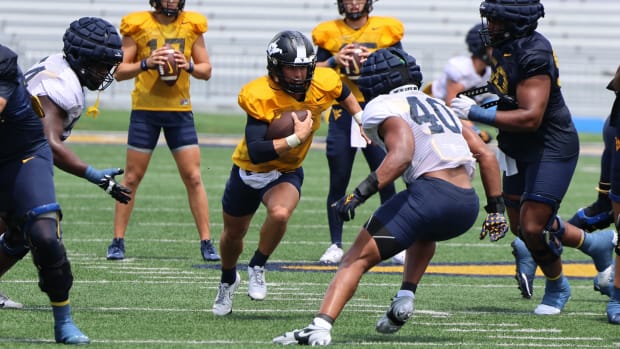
[259, 149]
[322, 54]
[346, 91]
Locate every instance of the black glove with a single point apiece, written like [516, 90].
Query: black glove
[495, 224]
[117, 191]
[345, 207]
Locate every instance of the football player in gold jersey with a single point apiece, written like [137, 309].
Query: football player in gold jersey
[269, 171]
[339, 41]
[148, 37]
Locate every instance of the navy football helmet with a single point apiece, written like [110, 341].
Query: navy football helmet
[92, 47]
[156, 4]
[519, 18]
[291, 48]
[355, 15]
[387, 69]
[475, 44]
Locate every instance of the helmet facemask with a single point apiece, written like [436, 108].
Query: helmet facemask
[157, 5]
[342, 9]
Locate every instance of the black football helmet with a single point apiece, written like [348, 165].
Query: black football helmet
[387, 69]
[291, 48]
[92, 47]
[355, 15]
[475, 44]
[519, 18]
[156, 4]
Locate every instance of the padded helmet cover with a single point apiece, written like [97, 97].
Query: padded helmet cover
[387, 69]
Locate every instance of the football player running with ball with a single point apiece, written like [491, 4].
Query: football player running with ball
[269, 171]
[424, 144]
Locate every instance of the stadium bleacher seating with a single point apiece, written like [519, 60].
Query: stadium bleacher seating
[583, 33]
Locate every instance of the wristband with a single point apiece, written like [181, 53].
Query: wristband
[143, 65]
[358, 117]
[485, 116]
[495, 204]
[331, 62]
[368, 186]
[191, 67]
[293, 141]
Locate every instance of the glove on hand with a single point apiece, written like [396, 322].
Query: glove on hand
[461, 106]
[105, 180]
[495, 225]
[95, 176]
[345, 207]
[117, 191]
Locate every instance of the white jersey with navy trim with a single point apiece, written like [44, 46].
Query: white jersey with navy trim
[461, 70]
[54, 78]
[439, 143]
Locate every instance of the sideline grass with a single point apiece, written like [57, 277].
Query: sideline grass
[161, 295]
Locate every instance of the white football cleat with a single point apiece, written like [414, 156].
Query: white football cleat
[333, 255]
[399, 258]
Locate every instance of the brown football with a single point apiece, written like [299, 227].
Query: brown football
[169, 71]
[284, 126]
[353, 70]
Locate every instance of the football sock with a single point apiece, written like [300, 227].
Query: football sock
[228, 276]
[258, 259]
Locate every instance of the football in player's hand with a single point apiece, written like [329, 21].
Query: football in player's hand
[356, 62]
[284, 126]
[169, 71]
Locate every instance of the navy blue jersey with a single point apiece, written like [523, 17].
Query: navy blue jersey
[518, 60]
[21, 131]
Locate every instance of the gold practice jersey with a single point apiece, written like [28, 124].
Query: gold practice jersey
[150, 93]
[264, 100]
[377, 33]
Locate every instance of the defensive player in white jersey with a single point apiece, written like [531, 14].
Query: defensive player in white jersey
[424, 145]
[91, 52]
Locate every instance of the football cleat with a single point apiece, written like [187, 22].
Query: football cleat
[613, 307]
[333, 255]
[224, 299]
[604, 280]
[116, 250]
[257, 288]
[399, 258]
[208, 251]
[67, 333]
[312, 335]
[557, 293]
[7, 303]
[526, 268]
[400, 311]
[591, 219]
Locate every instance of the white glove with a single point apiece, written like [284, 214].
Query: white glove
[461, 106]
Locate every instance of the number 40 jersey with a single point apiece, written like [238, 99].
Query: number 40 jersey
[439, 143]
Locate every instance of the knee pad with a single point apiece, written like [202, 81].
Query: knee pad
[44, 237]
[51, 211]
[14, 248]
[56, 280]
